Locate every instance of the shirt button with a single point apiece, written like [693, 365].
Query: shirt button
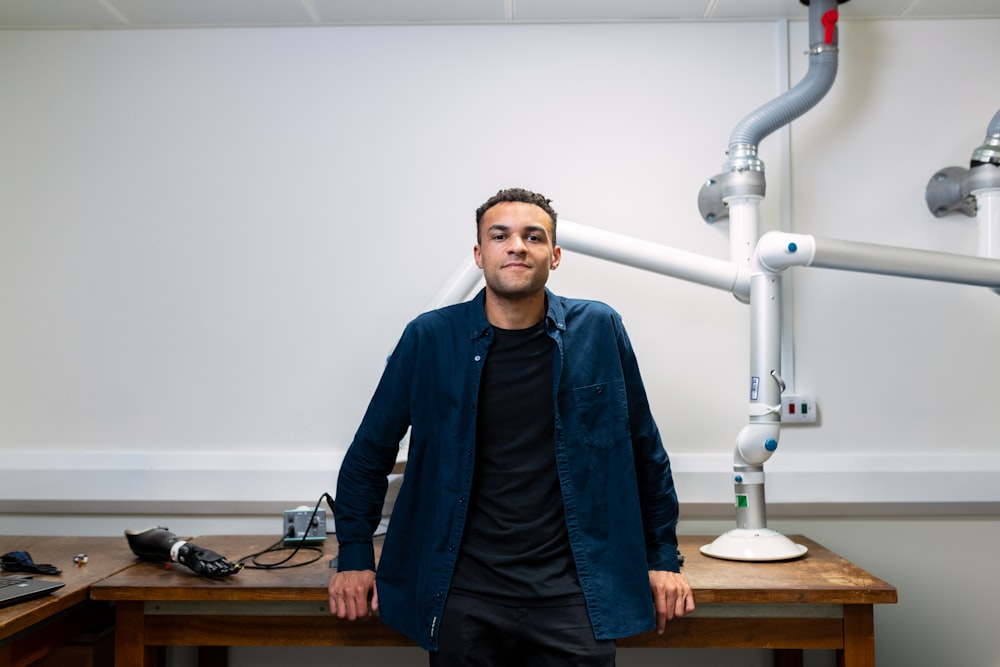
[600, 390]
[461, 501]
[478, 358]
[451, 547]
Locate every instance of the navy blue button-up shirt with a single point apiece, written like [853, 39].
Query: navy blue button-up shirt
[620, 504]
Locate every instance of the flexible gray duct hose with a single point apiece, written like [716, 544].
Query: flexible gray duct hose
[806, 94]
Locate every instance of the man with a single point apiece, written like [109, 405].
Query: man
[536, 519]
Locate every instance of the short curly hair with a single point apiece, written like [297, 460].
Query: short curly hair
[518, 195]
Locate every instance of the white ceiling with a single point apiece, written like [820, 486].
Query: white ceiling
[82, 14]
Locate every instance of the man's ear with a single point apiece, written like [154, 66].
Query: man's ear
[477, 255]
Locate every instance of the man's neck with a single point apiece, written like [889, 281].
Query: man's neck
[515, 313]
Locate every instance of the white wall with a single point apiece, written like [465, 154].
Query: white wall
[212, 238]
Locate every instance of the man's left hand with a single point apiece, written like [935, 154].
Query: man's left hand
[672, 596]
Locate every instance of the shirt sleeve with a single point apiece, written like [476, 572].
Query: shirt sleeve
[657, 496]
[363, 477]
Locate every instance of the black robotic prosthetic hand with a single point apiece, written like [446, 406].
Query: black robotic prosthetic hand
[160, 545]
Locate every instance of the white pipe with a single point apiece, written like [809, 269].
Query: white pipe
[778, 250]
[625, 250]
[744, 230]
[907, 263]
[649, 256]
[759, 438]
[744, 221]
[458, 286]
[620, 249]
[988, 217]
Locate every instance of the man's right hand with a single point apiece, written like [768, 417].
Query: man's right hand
[349, 593]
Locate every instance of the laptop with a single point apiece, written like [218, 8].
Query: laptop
[14, 589]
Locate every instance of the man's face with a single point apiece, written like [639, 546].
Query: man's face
[516, 249]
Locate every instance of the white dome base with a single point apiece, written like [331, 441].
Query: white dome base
[753, 545]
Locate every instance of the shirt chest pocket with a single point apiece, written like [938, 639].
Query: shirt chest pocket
[602, 411]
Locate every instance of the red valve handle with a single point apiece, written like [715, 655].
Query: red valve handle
[829, 23]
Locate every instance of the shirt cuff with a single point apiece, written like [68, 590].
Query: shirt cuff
[356, 557]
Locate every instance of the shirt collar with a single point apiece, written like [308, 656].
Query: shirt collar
[479, 325]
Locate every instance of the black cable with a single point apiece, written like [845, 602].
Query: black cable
[250, 562]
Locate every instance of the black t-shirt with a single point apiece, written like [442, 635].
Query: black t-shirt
[516, 544]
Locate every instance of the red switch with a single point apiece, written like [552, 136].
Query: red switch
[829, 23]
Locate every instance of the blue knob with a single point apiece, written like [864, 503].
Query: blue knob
[739, 479]
[792, 246]
[770, 444]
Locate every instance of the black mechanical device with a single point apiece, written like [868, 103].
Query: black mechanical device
[160, 545]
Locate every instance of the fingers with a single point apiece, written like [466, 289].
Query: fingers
[349, 605]
[662, 613]
[672, 597]
[683, 604]
[348, 594]
[688, 602]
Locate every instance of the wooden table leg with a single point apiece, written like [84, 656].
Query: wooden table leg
[130, 649]
[859, 637]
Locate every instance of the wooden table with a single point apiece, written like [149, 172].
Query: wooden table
[31, 630]
[820, 601]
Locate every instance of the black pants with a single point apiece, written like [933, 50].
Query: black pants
[479, 633]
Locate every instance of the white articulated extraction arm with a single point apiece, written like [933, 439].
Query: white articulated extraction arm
[776, 252]
[974, 191]
[754, 271]
[737, 193]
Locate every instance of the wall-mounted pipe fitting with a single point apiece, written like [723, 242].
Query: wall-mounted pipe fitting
[716, 191]
[946, 192]
[953, 188]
